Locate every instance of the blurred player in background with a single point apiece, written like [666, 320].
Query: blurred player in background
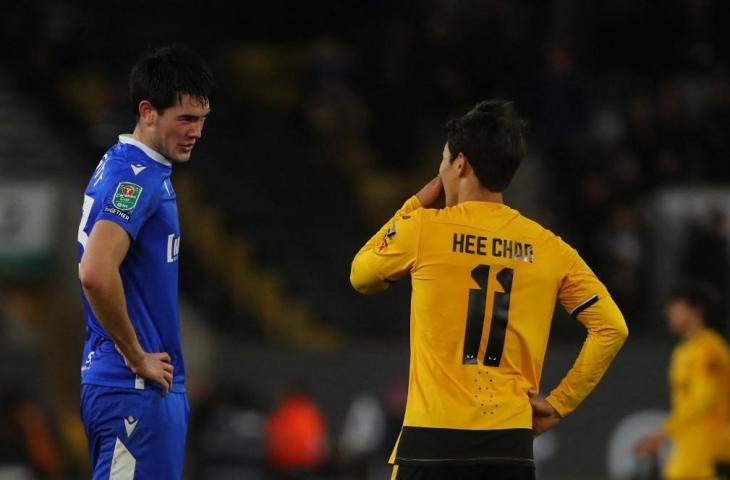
[699, 377]
[133, 402]
[485, 282]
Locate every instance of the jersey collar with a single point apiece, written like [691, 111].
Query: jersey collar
[156, 156]
[492, 205]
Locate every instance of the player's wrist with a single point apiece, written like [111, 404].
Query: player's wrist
[555, 405]
[555, 410]
[430, 193]
[136, 361]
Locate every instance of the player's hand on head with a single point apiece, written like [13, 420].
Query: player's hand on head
[544, 416]
[431, 193]
[156, 367]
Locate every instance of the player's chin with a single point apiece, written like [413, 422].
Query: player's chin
[182, 155]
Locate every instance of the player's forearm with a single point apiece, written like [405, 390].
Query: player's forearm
[105, 293]
[607, 332]
[362, 276]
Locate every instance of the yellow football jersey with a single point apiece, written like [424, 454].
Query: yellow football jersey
[485, 281]
[699, 377]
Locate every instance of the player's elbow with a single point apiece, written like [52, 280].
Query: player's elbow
[623, 332]
[612, 333]
[357, 285]
[620, 330]
[93, 278]
[617, 334]
[88, 277]
[364, 287]
[614, 324]
[364, 283]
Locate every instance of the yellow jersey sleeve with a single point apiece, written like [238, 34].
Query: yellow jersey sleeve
[587, 300]
[390, 253]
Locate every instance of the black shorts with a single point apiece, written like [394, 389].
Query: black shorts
[723, 470]
[464, 472]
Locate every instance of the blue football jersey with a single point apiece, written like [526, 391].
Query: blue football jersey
[131, 187]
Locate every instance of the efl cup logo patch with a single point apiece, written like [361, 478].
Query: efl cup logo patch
[127, 195]
[387, 238]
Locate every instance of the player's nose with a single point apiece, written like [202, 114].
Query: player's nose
[196, 131]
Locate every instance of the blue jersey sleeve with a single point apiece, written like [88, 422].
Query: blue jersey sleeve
[128, 197]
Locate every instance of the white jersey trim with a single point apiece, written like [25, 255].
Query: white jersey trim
[156, 156]
[123, 463]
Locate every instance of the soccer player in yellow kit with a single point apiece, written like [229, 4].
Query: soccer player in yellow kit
[485, 281]
[699, 378]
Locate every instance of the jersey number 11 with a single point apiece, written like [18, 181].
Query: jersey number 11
[475, 316]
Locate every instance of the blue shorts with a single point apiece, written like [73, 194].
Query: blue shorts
[134, 434]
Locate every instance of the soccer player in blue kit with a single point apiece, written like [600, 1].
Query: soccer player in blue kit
[133, 403]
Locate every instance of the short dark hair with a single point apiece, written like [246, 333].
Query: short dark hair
[696, 294]
[492, 137]
[163, 75]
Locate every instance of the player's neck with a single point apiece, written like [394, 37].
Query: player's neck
[139, 135]
[475, 192]
[692, 330]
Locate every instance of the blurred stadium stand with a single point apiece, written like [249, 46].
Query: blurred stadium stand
[329, 115]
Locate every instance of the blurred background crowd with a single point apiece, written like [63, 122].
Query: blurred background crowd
[328, 116]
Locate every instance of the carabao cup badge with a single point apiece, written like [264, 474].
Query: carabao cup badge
[127, 195]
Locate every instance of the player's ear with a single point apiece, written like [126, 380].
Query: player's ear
[462, 165]
[147, 113]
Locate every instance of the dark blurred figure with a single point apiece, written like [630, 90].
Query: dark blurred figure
[706, 251]
[29, 447]
[359, 445]
[622, 251]
[705, 259]
[296, 436]
[27, 440]
[226, 439]
[395, 407]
